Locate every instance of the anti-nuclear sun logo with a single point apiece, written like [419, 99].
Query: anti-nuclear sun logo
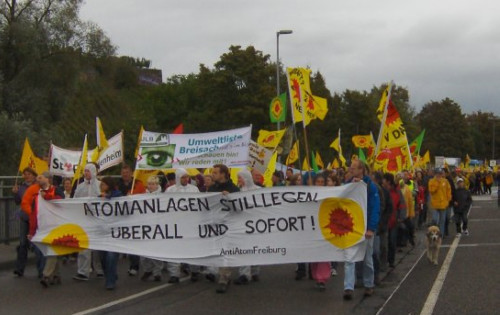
[342, 222]
[66, 239]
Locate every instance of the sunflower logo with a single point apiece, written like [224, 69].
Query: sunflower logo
[66, 239]
[342, 222]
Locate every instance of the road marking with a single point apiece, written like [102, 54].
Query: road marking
[432, 298]
[401, 282]
[483, 220]
[128, 298]
[473, 245]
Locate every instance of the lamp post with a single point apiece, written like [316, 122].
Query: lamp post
[281, 32]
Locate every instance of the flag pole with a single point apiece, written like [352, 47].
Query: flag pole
[306, 144]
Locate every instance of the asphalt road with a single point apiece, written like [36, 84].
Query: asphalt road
[469, 287]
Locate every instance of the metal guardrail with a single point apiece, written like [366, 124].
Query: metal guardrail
[9, 222]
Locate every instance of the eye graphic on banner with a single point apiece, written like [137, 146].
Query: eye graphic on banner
[341, 221]
[67, 239]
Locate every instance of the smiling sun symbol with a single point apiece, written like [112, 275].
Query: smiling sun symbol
[66, 239]
[342, 222]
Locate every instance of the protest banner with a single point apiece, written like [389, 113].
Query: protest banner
[201, 150]
[265, 226]
[64, 162]
[258, 156]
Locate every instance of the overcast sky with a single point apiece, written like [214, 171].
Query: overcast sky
[435, 49]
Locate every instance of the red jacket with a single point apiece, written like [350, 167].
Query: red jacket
[50, 194]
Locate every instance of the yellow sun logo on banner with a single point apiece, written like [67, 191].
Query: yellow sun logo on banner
[342, 222]
[66, 239]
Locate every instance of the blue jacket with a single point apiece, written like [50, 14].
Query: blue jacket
[373, 208]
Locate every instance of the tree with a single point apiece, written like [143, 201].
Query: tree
[447, 132]
[481, 128]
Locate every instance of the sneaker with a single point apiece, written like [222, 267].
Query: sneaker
[321, 286]
[466, 232]
[146, 275]
[195, 276]
[81, 277]
[44, 282]
[333, 272]
[299, 275]
[348, 295]
[132, 272]
[110, 287]
[210, 277]
[368, 292]
[100, 275]
[255, 278]
[459, 234]
[241, 280]
[222, 288]
[173, 280]
[18, 273]
[157, 278]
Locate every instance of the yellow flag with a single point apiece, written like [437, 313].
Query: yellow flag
[393, 154]
[426, 158]
[319, 161]
[270, 139]
[362, 141]
[83, 162]
[138, 142]
[234, 174]
[382, 103]
[102, 142]
[293, 155]
[467, 160]
[271, 167]
[28, 159]
[305, 165]
[305, 105]
[335, 163]
[336, 145]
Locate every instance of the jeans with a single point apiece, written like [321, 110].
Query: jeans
[368, 271]
[40, 261]
[24, 244]
[376, 254]
[392, 238]
[109, 261]
[439, 218]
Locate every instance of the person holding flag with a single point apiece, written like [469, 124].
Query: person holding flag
[29, 176]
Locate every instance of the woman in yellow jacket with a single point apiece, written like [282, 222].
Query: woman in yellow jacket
[440, 192]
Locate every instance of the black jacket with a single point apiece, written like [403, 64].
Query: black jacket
[464, 199]
[228, 186]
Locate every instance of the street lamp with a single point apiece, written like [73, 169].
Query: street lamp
[281, 32]
[494, 119]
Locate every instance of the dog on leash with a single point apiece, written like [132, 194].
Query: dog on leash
[433, 243]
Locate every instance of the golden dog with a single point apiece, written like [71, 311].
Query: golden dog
[433, 243]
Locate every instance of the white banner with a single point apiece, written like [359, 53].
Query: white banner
[265, 226]
[64, 162]
[258, 156]
[201, 150]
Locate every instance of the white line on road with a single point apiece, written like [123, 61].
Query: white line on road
[432, 298]
[127, 298]
[483, 220]
[473, 245]
[400, 283]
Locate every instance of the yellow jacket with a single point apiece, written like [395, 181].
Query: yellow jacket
[440, 191]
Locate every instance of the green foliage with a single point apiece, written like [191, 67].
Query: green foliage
[57, 73]
[447, 132]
